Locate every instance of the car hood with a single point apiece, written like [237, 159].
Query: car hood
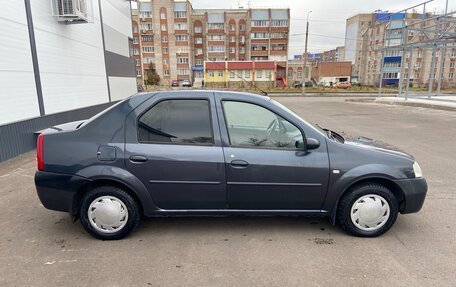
[377, 145]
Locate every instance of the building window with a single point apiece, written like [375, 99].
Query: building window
[242, 27]
[163, 27]
[147, 38]
[181, 38]
[259, 74]
[247, 74]
[199, 51]
[211, 74]
[199, 40]
[180, 26]
[138, 63]
[199, 62]
[165, 61]
[182, 60]
[182, 49]
[148, 60]
[135, 52]
[451, 75]
[232, 27]
[135, 29]
[146, 14]
[279, 23]
[138, 73]
[165, 50]
[218, 26]
[452, 64]
[146, 27]
[242, 39]
[166, 72]
[147, 49]
[182, 72]
[216, 37]
[232, 39]
[299, 75]
[216, 49]
[198, 29]
[290, 73]
[232, 50]
[260, 47]
[135, 40]
[242, 50]
[164, 39]
[261, 35]
[260, 23]
[220, 73]
[180, 14]
[278, 35]
[163, 15]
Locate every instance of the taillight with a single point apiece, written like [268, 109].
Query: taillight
[40, 152]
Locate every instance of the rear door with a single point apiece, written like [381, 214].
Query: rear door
[175, 151]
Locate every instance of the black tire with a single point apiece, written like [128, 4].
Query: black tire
[355, 193]
[134, 214]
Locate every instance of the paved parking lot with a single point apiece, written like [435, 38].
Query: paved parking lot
[41, 247]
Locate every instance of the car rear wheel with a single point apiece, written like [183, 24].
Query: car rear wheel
[109, 213]
[367, 210]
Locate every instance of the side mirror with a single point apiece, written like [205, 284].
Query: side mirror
[312, 143]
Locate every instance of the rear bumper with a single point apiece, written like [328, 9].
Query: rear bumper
[415, 190]
[57, 191]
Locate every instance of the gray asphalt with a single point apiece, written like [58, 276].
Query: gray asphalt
[39, 247]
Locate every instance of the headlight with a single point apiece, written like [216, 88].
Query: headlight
[417, 170]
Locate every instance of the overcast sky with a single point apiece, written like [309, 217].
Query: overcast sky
[327, 20]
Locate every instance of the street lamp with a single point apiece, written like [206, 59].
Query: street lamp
[304, 71]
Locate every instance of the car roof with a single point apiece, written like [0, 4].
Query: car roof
[187, 92]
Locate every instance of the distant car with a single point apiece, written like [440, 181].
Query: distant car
[174, 153]
[298, 84]
[175, 83]
[186, 83]
[343, 85]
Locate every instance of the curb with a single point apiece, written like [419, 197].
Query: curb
[410, 104]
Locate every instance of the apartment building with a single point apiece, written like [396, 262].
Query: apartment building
[355, 52]
[60, 64]
[385, 31]
[194, 36]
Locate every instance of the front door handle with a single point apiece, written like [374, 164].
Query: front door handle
[138, 158]
[237, 163]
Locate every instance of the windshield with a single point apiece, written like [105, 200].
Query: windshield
[314, 126]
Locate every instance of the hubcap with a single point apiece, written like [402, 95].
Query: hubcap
[108, 214]
[370, 212]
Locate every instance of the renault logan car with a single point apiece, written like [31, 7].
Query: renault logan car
[175, 153]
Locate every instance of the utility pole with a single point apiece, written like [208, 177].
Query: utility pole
[304, 71]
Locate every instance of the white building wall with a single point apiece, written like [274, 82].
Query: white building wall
[351, 34]
[117, 26]
[17, 82]
[71, 60]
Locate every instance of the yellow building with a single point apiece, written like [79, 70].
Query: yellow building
[239, 74]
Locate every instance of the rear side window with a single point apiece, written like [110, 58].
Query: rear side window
[177, 121]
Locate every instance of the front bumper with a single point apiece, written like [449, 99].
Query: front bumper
[57, 191]
[414, 190]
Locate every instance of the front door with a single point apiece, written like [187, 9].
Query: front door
[178, 155]
[264, 169]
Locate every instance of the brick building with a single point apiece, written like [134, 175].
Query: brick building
[329, 73]
[172, 40]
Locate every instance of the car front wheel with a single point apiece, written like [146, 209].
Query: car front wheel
[109, 213]
[368, 210]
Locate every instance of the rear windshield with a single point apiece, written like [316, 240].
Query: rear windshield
[101, 113]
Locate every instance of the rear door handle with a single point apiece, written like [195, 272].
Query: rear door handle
[138, 158]
[237, 163]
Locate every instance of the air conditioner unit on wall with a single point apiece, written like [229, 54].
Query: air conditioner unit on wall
[72, 11]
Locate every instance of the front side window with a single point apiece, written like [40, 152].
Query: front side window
[177, 121]
[253, 126]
